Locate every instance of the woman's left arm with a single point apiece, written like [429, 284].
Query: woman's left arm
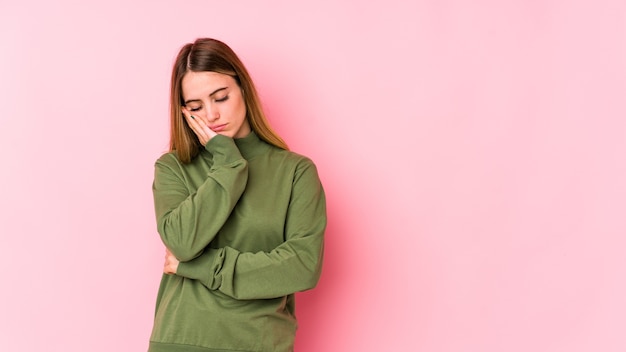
[293, 266]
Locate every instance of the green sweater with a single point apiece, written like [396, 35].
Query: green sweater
[246, 220]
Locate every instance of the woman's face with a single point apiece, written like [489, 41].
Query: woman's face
[217, 100]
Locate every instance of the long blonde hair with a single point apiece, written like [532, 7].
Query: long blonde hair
[206, 54]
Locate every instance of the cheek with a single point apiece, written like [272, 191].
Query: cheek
[242, 110]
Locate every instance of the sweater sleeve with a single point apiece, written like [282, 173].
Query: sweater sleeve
[188, 222]
[293, 266]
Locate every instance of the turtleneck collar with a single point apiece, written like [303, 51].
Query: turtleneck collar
[251, 145]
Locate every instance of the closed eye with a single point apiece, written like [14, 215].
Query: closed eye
[222, 99]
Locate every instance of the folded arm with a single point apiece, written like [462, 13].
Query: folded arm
[293, 266]
[186, 221]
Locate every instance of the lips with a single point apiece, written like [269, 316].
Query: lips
[218, 128]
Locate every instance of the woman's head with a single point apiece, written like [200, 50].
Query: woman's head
[199, 68]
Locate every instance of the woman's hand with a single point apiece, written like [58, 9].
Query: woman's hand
[171, 263]
[199, 126]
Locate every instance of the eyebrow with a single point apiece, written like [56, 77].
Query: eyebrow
[214, 92]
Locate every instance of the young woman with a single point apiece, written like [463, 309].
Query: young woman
[242, 218]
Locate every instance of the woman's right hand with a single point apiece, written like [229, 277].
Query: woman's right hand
[171, 263]
[199, 127]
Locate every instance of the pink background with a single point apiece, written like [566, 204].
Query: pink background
[472, 153]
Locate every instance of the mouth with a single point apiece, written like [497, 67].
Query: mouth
[218, 128]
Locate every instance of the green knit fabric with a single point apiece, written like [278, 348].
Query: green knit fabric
[246, 220]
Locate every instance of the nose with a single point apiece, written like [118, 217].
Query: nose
[212, 113]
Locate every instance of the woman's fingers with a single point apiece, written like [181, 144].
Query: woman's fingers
[200, 128]
[197, 126]
[171, 263]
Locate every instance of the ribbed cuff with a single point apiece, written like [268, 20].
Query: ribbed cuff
[200, 268]
[223, 149]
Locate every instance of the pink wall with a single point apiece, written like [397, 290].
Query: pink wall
[473, 157]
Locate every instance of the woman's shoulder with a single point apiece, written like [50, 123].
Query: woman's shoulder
[297, 162]
[291, 156]
[171, 161]
[168, 159]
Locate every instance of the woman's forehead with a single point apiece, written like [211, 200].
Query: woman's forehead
[204, 83]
